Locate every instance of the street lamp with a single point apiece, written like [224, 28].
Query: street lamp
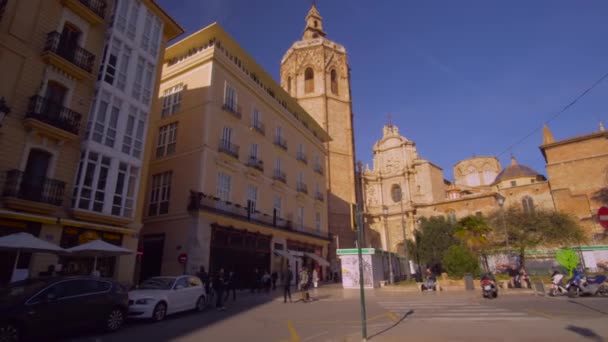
[391, 277]
[501, 203]
[4, 110]
[405, 251]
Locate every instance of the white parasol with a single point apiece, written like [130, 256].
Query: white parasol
[25, 242]
[98, 248]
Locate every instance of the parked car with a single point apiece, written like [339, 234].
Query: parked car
[158, 297]
[55, 306]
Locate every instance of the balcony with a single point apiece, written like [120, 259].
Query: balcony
[208, 203]
[280, 176]
[74, 60]
[52, 118]
[255, 163]
[228, 148]
[280, 142]
[302, 157]
[302, 188]
[93, 11]
[318, 169]
[233, 109]
[258, 126]
[39, 194]
[320, 197]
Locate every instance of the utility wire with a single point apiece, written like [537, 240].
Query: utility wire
[572, 103]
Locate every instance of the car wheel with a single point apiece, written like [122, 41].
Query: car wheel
[201, 303]
[115, 319]
[160, 311]
[603, 291]
[9, 332]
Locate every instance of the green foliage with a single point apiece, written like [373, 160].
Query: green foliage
[529, 230]
[569, 259]
[473, 231]
[433, 237]
[459, 260]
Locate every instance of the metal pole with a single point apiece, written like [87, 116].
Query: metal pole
[504, 227]
[361, 278]
[407, 261]
[391, 278]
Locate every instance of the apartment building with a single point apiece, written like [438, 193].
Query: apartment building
[71, 147]
[236, 179]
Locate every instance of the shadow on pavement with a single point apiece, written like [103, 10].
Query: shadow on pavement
[586, 333]
[411, 312]
[588, 307]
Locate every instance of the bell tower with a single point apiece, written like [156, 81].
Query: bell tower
[315, 72]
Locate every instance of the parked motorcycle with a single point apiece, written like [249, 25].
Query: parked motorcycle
[581, 285]
[558, 288]
[488, 288]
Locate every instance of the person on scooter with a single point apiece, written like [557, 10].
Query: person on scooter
[524, 277]
[429, 285]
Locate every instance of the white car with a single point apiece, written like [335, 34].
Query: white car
[158, 297]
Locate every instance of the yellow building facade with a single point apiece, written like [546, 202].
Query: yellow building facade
[236, 178]
[50, 56]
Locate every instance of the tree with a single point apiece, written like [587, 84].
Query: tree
[459, 260]
[433, 237]
[473, 232]
[543, 227]
[569, 259]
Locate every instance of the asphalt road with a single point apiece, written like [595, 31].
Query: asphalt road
[335, 314]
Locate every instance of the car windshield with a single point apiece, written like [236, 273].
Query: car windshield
[21, 287]
[157, 284]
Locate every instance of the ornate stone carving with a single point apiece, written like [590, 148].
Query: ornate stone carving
[310, 57]
[372, 197]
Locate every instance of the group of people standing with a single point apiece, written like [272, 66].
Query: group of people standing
[303, 281]
[219, 286]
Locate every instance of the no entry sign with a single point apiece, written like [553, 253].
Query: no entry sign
[602, 216]
[182, 258]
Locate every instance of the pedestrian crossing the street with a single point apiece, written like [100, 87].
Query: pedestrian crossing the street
[453, 310]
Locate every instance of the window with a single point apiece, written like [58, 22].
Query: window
[334, 82]
[396, 193]
[513, 183]
[253, 151]
[277, 164]
[227, 135]
[289, 85]
[139, 75]
[121, 15]
[124, 67]
[301, 177]
[112, 62]
[256, 118]
[147, 93]
[124, 191]
[139, 136]
[279, 132]
[318, 221]
[309, 81]
[132, 27]
[145, 38]
[181, 283]
[230, 98]
[252, 198]
[277, 203]
[167, 136]
[155, 37]
[300, 218]
[112, 124]
[160, 194]
[92, 185]
[223, 186]
[172, 99]
[528, 205]
[127, 139]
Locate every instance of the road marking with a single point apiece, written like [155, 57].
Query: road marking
[292, 332]
[527, 318]
[541, 313]
[392, 316]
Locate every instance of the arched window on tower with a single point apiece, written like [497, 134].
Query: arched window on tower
[309, 81]
[528, 205]
[289, 85]
[334, 81]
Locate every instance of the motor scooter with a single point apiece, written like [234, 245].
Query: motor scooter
[558, 288]
[581, 285]
[488, 288]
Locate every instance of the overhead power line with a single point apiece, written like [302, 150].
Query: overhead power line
[554, 116]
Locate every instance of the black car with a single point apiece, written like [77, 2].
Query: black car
[55, 306]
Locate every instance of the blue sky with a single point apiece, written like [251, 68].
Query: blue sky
[460, 78]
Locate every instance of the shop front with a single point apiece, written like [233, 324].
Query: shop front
[310, 256]
[72, 265]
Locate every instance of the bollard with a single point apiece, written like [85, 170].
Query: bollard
[468, 282]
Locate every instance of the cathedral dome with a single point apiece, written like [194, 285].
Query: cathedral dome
[517, 171]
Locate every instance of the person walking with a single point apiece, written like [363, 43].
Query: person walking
[287, 277]
[219, 284]
[304, 284]
[266, 282]
[315, 278]
[204, 277]
[274, 277]
[230, 286]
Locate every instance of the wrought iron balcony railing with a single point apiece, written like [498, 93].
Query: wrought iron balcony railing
[280, 142]
[229, 148]
[258, 126]
[37, 189]
[302, 157]
[318, 169]
[54, 114]
[280, 176]
[73, 53]
[320, 197]
[302, 187]
[233, 109]
[97, 6]
[255, 163]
